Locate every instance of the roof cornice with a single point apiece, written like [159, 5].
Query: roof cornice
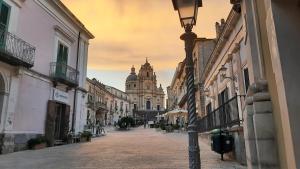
[72, 17]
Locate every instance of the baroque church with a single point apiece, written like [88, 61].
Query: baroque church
[146, 98]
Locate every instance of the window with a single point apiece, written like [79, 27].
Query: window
[134, 106]
[223, 97]
[147, 74]
[4, 19]
[62, 60]
[134, 85]
[158, 107]
[4, 15]
[246, 79]
[208, 108]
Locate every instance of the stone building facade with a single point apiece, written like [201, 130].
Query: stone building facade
[224, 78]
[105, 105]
[119, 104]
[43, 62]
[97, 106]
[143, 92]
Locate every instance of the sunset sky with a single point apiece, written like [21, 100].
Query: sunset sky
[128, 31]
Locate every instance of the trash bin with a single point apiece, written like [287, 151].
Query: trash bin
[221, 141]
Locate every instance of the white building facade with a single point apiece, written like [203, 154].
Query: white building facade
[43, 62]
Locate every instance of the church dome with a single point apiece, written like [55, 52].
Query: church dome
[132, 76]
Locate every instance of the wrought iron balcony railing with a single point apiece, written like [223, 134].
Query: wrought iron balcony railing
[63, 73]
[15, 51]
[227, 115]
[101, 105]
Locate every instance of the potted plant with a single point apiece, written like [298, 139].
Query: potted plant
[37, 143]
[176, 128]
[86, 136]
[162, 126]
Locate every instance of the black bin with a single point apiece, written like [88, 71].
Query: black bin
[221, 142]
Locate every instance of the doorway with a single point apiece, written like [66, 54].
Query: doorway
[148, 105]
[57, 122]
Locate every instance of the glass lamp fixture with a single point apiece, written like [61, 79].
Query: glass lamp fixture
[187, 10]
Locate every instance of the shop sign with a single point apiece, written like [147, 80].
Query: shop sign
[60, 96]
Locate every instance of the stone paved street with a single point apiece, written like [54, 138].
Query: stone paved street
[136, 149]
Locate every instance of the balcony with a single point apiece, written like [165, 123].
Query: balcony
[90, 104]
[100, 105]
[60, 72]
[15, 51]
[225, 116]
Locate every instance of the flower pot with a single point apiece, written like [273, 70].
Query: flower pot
[40, 146]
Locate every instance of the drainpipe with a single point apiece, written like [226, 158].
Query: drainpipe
[75, 91]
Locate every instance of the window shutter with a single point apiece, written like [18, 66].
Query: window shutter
[4, 15]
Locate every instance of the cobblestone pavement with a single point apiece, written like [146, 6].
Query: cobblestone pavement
[135, 149]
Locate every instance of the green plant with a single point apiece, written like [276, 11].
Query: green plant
[176, 127]
[162, 126]
[86, 134]
[156, 125]
[169, 128]
[35, 141]
[126, 122]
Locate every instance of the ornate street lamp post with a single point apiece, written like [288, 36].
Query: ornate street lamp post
[187, 10]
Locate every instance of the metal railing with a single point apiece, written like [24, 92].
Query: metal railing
[227, 115]
[100, 105]
[64, 73]
[14, 50]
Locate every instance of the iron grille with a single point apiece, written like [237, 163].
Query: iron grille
[14, 50]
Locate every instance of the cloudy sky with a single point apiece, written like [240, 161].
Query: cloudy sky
[128, 31]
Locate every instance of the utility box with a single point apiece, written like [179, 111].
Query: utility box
[221, 142]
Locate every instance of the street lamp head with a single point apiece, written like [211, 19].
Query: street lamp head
[187, 10]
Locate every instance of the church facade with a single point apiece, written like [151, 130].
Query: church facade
[143, 92]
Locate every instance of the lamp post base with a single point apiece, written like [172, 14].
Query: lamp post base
[194, 152]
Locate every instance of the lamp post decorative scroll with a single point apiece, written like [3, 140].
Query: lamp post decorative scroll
[187, 10]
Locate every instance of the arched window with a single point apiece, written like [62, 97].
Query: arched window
[147, 74]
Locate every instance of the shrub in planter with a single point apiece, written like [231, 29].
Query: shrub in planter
[126, 122]
[169, 129]
[162, 126]
[156, 125]
[87, 135]
[176, 127]
[37, 143]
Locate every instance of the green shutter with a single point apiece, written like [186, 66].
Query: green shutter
[4, 20]
[4, 15]
[62, 61]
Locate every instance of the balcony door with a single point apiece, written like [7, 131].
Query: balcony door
[4, 20]
[62, 60]
[223, 109]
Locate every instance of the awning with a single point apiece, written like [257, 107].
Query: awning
[176, 112]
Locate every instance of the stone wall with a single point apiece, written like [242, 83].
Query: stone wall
[10, 143]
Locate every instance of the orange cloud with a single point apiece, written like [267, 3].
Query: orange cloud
[128, 31]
